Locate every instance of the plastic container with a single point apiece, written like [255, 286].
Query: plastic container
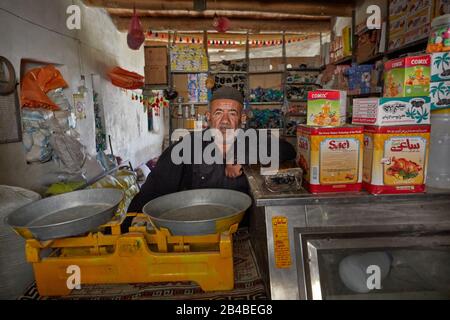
[439, 170]
[439, 39]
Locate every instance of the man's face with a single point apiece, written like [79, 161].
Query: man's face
[225, 114]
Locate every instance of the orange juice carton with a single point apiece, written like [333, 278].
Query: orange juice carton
[407, 77]
[391, 111]
[331, 157]
[326, 107]
[395, 158]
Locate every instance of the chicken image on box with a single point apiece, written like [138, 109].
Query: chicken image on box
[395, 159]
[326, 107]
[407, 77]
[391, 111]
[331, 157]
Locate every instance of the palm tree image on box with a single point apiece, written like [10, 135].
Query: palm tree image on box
[443, 60]
[417, 112]
[440, 89]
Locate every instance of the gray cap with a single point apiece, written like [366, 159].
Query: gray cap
[228, 93]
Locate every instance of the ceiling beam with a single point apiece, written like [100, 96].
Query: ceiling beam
[305, 26]
[308, 7]
[256, 15]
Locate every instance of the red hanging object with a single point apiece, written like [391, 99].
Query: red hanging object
[221, 24]
[136, 36]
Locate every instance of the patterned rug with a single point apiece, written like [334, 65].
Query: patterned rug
[248, 283]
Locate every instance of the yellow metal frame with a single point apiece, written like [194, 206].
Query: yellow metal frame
[138, 256]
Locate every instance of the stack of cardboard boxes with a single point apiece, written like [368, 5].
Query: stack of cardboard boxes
[397, 128]
[156, 61]
[329, 151]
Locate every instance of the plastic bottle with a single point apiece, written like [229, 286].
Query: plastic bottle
[438, 165]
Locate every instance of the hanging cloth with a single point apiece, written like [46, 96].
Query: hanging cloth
[126, 79]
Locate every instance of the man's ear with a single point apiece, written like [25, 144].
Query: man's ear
[243, 117]
[208, 116]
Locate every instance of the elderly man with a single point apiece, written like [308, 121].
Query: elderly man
[225, 114]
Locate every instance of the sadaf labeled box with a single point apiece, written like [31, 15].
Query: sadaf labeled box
[391, 111]
[407, 77]
[326, 107]
[331, 157]
[395, 158]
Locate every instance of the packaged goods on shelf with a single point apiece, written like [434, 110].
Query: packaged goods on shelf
[326, 107]
[266, 95]
[331, 157]
[391, 111]
[409, 21]
[440, 95]
[441, 7]
[360, 78]
[407, 77]
[188, 57]
[395, 158]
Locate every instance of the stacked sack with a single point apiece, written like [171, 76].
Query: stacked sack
[124, 180]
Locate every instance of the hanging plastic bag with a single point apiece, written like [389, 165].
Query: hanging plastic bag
[126, 79]
[68, 150]
[37, 83]
[135, 37]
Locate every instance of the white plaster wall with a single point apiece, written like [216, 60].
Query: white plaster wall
[101, 47]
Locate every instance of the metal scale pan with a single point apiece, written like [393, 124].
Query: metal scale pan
[66, 215]
[199, 211]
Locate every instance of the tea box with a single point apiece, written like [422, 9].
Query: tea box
[331, 157]
[407, 77]
[440, 95]
[391, 111]
[395, 158]
[326, 107]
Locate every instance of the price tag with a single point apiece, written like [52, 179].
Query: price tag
[282, 251]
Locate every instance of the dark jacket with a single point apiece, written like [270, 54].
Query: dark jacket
[168, 177]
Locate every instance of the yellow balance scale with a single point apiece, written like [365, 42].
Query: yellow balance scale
[148, 251]
[139, 256]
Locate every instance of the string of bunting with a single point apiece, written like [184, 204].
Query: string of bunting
[155, 102]
[254, 43]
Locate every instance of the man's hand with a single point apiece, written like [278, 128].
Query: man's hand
[233, 170]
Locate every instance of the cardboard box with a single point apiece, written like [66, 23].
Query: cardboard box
[391, 111]
[156, 56]
[440, 66]
[395, 158]
[440, 95]
[407, 77]
[331, 158]
[326, 108]
[155, 75]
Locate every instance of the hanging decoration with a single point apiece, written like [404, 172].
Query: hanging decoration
[221, 24]
[218, 42]
[136, 36]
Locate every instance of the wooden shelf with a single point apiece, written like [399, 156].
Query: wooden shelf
[303, 84]
[264, 72]
[415, 46]
[306, 69]
[228, 72]
[372, 59]
[345, 60]
[298, 100]
[267, 103]
[188, 72]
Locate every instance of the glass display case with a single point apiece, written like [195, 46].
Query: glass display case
[378, 266]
